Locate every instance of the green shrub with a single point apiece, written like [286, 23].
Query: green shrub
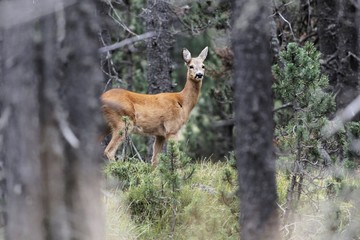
[173, 201]
[301, 110]
[300, 86]
[128, 172]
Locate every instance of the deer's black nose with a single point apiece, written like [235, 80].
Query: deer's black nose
[199, 75]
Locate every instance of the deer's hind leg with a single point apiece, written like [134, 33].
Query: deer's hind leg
[119, 131]
[111, 148]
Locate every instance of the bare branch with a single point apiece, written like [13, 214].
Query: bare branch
[223, 123]
[127, 41]
[284, 19]
[283, 106]
[351, 54]
[342, 117]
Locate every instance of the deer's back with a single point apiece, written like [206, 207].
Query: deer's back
[159, 114]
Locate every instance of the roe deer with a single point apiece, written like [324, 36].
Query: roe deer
[161, 115]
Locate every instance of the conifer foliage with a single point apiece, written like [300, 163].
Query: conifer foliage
[303, 107]
[301, 104]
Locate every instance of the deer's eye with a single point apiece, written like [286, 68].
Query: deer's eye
[203, 66]
[191, 67]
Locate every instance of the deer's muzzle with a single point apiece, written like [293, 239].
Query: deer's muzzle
[199, 75]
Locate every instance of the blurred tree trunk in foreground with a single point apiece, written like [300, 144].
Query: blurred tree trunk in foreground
[254, 120]
[49, 121]
[20, 133]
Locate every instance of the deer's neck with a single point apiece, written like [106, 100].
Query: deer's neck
[190, 94]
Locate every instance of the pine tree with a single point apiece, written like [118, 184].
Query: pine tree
[303, 109]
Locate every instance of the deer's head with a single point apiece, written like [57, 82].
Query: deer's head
[196, 67]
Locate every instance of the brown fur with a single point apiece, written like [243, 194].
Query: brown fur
[161, 115]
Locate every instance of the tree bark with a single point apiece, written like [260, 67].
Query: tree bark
[338, 34]
[20, 134]
[159, 19]
[159, 67]
[348, 81]
[49, 95]
[327, 32]
[2, 119]
[254, 120]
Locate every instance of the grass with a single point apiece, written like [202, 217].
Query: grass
[118, 220]
[211, 212]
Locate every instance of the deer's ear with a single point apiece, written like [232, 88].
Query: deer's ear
[203, 53]
[186, 55]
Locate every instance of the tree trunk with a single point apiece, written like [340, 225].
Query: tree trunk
[327, 31]
[348, 82]
[82, 88]
[159, 68]
[2, 119]
[49, 95]
[159, 19]
[20, 134]
[254, 120]
[338, 35]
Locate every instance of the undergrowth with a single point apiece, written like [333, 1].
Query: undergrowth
[179, 199]
[328, 211]
[184, 200]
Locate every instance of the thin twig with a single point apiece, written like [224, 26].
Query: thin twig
[136, 151]
[118, 20]
[111, 67]
[285, 20]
